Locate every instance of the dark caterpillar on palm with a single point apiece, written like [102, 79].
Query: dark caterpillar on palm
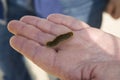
[59, 38]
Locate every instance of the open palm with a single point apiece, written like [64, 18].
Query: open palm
[87, 46]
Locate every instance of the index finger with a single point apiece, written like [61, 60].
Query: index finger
[68, 21]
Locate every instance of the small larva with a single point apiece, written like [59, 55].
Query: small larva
[59, 38]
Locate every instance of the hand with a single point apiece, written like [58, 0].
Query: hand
[88, 54]
[113, 8]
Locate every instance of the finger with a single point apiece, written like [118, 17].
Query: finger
[42, 56]
[110, 8]
[45, 25]
[117, 13]
[68, 21]
[29, 31]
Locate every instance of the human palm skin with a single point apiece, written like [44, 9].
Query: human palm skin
[90, 54]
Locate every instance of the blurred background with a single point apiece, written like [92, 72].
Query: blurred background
[111, 25]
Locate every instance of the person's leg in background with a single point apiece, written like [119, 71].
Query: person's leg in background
[97, 9]
[11, 62]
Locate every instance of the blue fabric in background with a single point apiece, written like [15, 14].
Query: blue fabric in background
[1, 11]
[89, 11]
[11, 62]
[46, 7]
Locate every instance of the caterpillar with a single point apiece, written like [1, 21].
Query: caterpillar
[59, 38]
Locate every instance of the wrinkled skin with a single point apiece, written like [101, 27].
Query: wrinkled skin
[90, 54]
[113, 8]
